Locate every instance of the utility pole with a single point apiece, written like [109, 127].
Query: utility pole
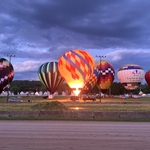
[8, 85]
[100, 57]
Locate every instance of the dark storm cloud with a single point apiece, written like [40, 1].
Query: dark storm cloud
[42, 30]
[109, 23]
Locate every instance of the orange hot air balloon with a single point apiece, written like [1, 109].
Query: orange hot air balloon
[76, 67]
[106, 77]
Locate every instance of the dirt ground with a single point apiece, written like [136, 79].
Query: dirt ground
[74, 135]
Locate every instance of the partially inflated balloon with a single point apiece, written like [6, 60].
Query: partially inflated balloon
[147, 77]
[106, 77]
[92, 80]
[130, 76]
[76, 67]
[6, 73]
[50, 77]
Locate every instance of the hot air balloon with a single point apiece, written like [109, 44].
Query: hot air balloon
[147, 77]
[6, 73]
[106, 76]
[92, 80]
[76, 67]
[130, 76]
[50, 77]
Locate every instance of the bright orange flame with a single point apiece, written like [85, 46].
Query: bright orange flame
[76, 86]
[76, 91]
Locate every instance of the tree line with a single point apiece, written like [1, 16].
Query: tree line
[116, 88]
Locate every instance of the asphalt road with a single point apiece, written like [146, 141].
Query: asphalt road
[74, 135]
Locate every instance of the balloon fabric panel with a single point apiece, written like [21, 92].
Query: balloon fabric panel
[131, 86]
[68, 69]
[132, 75]
[147, 77]
[92, 81]
[130, 66]
[6, 73]
[77, 64]
[42, 75]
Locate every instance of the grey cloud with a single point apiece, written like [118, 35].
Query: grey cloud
[138, 57]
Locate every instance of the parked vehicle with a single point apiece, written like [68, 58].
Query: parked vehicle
[14, 99]
[89, 97]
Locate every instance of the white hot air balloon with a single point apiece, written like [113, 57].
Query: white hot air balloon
[130, 76]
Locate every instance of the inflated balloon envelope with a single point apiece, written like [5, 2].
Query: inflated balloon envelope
[130, 76]
[6, 73]
[76, 67]
[50, 77]
[147, 77]
[106, 76]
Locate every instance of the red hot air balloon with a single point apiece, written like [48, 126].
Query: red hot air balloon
[147, 77]
[76, 67]
[6, 73]
[50, 77]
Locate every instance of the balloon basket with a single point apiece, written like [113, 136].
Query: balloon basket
[74, 98]
[50, 97]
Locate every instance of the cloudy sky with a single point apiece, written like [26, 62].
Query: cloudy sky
[38, 31]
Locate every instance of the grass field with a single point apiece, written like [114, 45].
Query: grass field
[106, 105]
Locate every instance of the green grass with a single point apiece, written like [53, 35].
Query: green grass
[81, 107]
[111, 107]
[107, 105]
[65, 104]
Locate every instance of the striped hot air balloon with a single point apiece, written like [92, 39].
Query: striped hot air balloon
[130, 76]
[106, 77]
[76, 67]
[6, 73]
[50, 77]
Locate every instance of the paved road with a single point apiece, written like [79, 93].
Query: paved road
[74, 135]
